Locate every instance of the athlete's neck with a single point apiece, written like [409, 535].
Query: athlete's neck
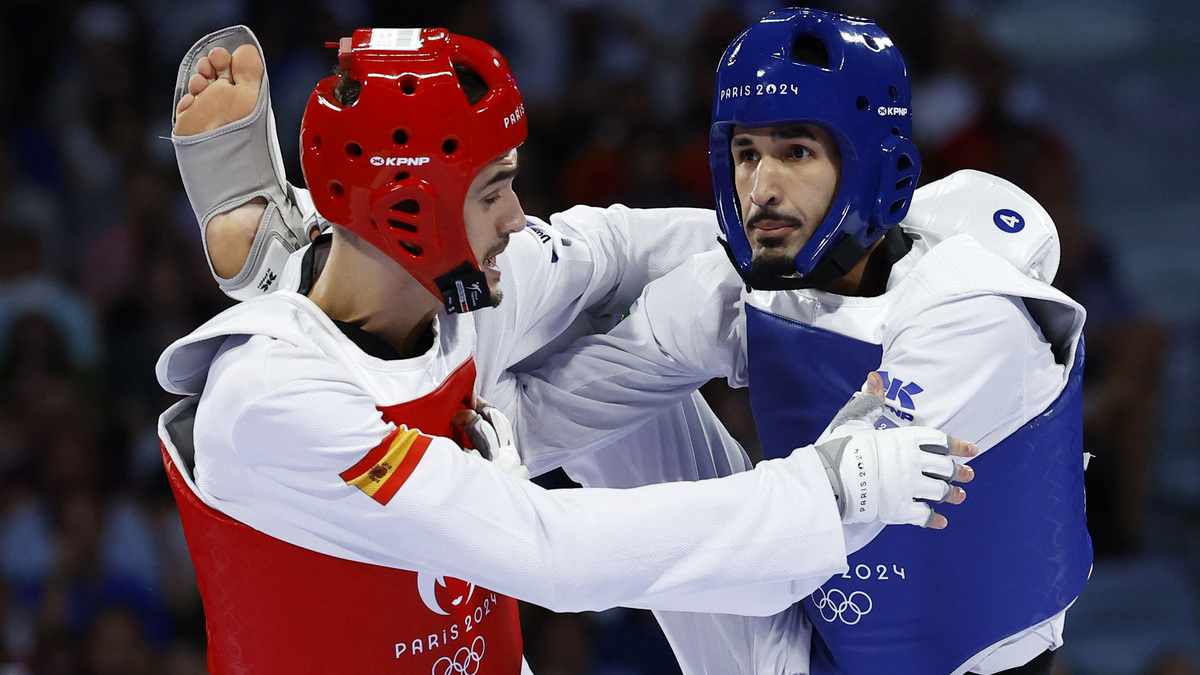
[857, 281]
[869, 277]
[362, 286]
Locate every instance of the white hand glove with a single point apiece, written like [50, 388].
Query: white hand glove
[492, 435]
[881, 475]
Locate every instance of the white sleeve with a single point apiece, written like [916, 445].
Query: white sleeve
[308, 210]
[636, 246]
[708, 644]
[686, 329]
[975, 367]
[993, 372]
[275, 463]
[581, 271]
[687, 442]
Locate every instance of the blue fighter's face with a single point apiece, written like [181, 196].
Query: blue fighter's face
[786, 179]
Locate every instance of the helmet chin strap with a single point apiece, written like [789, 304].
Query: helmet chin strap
[842, 258]
[464, 289]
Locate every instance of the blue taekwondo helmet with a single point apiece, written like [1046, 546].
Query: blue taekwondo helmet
[775, 73]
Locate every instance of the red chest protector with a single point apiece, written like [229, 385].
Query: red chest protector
[273, 607]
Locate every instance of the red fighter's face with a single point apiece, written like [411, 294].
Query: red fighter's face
[786, 179]
[491, 213]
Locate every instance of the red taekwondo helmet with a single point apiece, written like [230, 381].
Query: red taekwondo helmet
[393, 166]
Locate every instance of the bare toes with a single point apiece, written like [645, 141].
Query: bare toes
[197, 83]
[247, 65]
[220, 58]
[213, 97]
[184, 103]
[205, 67]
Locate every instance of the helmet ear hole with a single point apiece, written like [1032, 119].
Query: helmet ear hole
[472, 83]
[449, 146]
[809, 49]
[409, 206]
[863, 103]
[408, 85]
[901, 167]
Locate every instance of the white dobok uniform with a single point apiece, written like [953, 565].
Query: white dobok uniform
[289, 406]
[983, 365]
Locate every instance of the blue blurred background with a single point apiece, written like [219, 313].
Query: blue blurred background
[1091, 105]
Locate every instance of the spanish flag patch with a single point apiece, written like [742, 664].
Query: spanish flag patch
[381, 473]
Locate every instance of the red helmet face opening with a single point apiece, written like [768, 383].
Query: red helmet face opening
[394, 165]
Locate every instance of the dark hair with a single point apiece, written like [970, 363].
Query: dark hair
[472, 84]
[810, 49]
[347, 90]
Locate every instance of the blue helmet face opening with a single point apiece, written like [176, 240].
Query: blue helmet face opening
[839, 73]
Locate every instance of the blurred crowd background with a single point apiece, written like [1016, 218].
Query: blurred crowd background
[1090, 105]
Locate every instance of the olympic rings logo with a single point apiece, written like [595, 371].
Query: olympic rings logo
[465, 662]
[834, 605]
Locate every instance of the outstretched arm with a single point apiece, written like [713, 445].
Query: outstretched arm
[750, 543]
[684, 330]
[578, 275]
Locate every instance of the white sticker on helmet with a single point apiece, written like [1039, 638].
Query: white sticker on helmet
[396, 39]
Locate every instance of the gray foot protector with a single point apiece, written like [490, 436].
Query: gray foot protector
[233, 164]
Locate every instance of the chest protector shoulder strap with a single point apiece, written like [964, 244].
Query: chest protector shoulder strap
[1019, 546]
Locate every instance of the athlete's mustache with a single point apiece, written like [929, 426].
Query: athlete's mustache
[497, 249]
[771, 213]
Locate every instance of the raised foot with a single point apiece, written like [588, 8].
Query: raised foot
[224, 90]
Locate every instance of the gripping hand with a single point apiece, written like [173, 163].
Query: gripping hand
[492, 435]
[893, 475]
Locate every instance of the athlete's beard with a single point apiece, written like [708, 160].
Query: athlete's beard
[773, 262]
[773, 259]
[493, 253]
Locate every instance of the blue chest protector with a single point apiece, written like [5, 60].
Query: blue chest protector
[1016, 553]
